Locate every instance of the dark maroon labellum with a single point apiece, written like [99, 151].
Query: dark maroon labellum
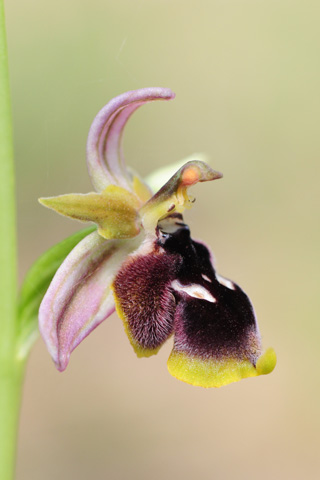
[175, 288]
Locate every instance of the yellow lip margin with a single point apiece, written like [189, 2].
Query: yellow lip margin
[209, 373]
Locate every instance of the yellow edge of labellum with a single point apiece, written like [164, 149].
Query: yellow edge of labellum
[140, 351]
[209, 373]
[266, 362]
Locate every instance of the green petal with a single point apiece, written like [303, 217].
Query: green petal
[115, 210]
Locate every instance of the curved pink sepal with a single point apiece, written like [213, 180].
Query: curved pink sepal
[105, 160]
[79, 297]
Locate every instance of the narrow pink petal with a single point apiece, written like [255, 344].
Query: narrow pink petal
[79, 297]
[105, 160]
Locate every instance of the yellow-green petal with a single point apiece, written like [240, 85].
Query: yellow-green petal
[141, 189]
[115, 210]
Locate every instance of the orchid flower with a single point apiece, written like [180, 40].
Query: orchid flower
[142, 261]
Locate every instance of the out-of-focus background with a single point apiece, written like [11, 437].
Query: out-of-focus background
[247, 75]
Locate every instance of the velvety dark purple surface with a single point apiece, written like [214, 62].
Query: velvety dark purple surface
[223, 327]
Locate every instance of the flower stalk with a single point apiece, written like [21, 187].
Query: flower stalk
[11, 379]
[11, 368]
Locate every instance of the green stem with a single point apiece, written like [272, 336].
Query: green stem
[10, 395]
[11, 369]
[8, 285]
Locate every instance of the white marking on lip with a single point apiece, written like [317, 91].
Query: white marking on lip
[171, 225]
[227, 283]
[194, 290]
[206, 278]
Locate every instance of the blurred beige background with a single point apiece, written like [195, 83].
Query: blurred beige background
[246, 74]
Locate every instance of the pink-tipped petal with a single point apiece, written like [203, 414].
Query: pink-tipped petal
[79, 297]
[105, 160]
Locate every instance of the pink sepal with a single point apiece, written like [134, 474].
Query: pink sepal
[105, 160]
[79, 297]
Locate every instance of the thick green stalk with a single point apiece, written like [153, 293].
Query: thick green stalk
[11, 377]
[8, 288]
[11, 369]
